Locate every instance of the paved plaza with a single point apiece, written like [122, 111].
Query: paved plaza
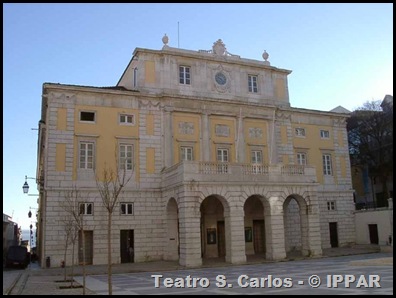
[353, 275]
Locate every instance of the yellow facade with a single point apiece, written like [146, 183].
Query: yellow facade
[107, 133]
[186, 132]
[256, 138]
[61, 119]
[315, 146]
[150, 160]
[60, 159]
[222, 141]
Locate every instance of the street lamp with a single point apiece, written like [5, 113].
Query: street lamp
[30, 211]
[25, 186]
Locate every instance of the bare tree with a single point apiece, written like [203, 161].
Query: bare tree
[370, 138]
[73, 199]
[68, 225]
[110, 186]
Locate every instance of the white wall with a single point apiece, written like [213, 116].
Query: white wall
[384, 220]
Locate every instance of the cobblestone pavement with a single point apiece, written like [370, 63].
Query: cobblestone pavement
[38, 281]
[324, 276]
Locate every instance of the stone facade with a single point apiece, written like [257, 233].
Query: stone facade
[218, 171]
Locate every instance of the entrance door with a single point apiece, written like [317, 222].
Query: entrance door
[127, 247]
[373, 230]
[259, 236]
[221, 238]
[333, 234]
[88, 239]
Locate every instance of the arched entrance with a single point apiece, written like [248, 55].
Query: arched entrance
[295, 223]
[172, 237]
[254, 221]
[213, 233]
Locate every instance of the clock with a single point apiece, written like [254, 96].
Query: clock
[220, 78]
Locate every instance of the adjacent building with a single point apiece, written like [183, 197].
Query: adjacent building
[11, 233]
[222, 165]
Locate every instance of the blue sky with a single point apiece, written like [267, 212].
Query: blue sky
[339, 54]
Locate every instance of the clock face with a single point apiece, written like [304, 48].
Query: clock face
[220, 78]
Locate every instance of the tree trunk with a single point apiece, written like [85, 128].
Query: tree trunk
[64, 258]
[72, 268]
[109, 254]
[83, 246]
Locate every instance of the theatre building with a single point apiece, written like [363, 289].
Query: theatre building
[221, 165]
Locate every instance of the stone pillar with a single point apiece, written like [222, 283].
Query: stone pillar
[314, 236]
[275, 230]
[235, 235]
[240, 140]
[304, 231]
[205, 133]
[190, 232]
[168, 139]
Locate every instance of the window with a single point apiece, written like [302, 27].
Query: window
[135, 73]
[327, 164]
[257, 157]
[301, 158]
[222, 156]
[126, 208]
[252, 82]
[86, 155]
[184, 75]
[86, 208]
[127, 119]
[186, 153]
[125, 160]
[324, 134]
[300, 132]
[87, 116]
[331, 205]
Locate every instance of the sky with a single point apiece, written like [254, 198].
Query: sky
[339, 54]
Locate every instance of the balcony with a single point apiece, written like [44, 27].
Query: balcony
[236, 173]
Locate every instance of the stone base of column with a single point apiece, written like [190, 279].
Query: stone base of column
[236, 260]
[275, 256]
[315, 252]
[190, 261]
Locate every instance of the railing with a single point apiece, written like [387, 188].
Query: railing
[237, 172]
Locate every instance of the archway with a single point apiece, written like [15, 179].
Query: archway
[254, 221]
[213, 233]
[295, 223]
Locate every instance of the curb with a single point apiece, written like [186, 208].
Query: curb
[12, 286]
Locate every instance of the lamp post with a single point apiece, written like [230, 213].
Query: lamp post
[25, 186]
[31, 232]
[25, 189]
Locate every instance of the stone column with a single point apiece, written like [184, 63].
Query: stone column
[314, 236]
[205, 133]
[235, 235]
[168, 139]
[275, 230]
[240, 140]
[190, 232]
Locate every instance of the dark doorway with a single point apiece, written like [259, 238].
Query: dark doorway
[88, 239]
[333, 234]
[127, 248]
[259, 236]
[373, 230]
[221, 238]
